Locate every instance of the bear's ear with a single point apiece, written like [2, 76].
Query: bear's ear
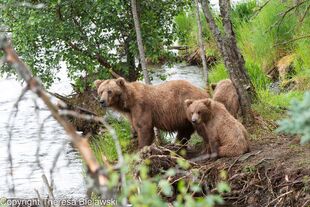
[97, 83]
[120, 82]
[207, 102]
[213, 86]
[188, 102]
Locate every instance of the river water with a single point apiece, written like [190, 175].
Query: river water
[68, 174]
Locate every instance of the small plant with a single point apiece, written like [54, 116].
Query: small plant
[249, 169]
[104, 145]
[298, 121]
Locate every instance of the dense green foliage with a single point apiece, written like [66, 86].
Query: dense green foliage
[298, 121]
[90, 37]
[264, 35]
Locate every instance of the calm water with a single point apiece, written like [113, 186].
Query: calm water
[68, 174]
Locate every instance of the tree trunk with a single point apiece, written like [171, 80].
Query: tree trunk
[130, 61]
[139, 41]
[233, 59]
[201, 46]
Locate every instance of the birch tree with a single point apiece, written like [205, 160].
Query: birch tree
[139, 41]
[200, 41]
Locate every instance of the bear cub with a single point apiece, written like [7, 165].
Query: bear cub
[226, 93]
[224, 136]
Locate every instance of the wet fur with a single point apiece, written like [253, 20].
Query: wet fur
[147, 106]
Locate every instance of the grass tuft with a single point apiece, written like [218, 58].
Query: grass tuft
[104, 145]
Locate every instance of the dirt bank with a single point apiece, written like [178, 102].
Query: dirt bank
[275, 173]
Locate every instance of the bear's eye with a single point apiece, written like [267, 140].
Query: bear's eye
[198, 112]
[109, 92]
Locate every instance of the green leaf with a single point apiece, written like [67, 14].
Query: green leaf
[165, 187]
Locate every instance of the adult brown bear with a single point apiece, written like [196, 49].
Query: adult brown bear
[147, 106]
[224, 135]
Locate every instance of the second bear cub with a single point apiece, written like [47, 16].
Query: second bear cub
[224, 135]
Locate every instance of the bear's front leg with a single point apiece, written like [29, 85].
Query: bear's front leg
[142, 122]
[184, 134]
[145, 136]
[213, 143]
[132, 128]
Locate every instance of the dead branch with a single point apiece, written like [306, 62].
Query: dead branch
[305, 14]
[35, 86]
[293, 40]
[49, 189]
[260, 8]
[10, 125]
[285, 13]
[280, 196]
[39, 142]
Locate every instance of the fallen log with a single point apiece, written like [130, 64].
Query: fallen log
[83, 103]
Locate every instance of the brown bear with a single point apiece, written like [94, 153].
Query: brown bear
[226, 93]
[147, 106]
[224, 134]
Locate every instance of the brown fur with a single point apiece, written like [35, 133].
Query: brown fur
[225, 135]
[226, 93]
[146, 106]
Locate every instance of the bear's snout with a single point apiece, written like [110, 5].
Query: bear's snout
[194, 120]
[103, 103]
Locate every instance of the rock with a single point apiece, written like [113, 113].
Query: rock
[284, 66]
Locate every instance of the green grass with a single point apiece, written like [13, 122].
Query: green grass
[272, 106]
[257, 38]
[217, 73]
[281, 99]
[258, 77]
[104, 144]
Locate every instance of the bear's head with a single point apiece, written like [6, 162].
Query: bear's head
[110, 91]
[198, 111]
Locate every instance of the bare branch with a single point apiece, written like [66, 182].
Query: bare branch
[293, 40]
[34, 85]
[39, 142]
[11, 121]
[283, 14]
[260, 8]
[114, 137]
[49, 189]
[41, 202]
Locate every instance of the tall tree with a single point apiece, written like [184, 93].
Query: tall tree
[233, 59]
[139, 41]
[201, 45]
[91, 37]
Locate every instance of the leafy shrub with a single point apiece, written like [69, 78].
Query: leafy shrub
[298, 121]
